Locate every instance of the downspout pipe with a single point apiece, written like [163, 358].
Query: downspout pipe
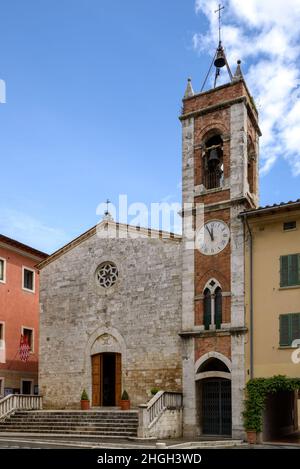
[251, 297]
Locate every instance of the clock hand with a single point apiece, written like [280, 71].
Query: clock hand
[210, 234]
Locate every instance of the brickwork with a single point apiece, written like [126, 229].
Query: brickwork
[227, 111]
[218, 266]
[216, 343]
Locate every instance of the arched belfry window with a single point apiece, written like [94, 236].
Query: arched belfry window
[251, 165]
[212, 305]
[213, 162]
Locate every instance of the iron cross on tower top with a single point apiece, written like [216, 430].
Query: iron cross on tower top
[219, 11]
[107, 206]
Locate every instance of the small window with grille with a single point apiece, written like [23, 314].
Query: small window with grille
[289, 225]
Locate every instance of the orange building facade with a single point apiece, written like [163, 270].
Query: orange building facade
[19, 315]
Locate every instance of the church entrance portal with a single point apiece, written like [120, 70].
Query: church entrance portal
[106, 379]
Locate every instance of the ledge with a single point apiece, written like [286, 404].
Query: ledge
[213, 333]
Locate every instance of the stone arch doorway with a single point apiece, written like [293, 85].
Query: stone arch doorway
[213, 385]
[106, 379]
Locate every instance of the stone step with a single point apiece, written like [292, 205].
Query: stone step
[69, 432]
[109, 424]
[88, 427]
[79, 412]
[69, 419]
[64, 425]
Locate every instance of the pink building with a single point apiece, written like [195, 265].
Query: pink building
[19, 315]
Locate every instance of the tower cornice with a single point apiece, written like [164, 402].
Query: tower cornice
[221, 105]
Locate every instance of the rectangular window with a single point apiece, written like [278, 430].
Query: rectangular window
[2, 270]
[28, 279]
[290, 270]
[289, 328]
[28, 334]
[289, 225]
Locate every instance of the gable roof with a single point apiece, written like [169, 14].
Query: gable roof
[132, 231]
[9, 242]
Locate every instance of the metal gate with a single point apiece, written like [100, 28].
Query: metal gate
[216, 407]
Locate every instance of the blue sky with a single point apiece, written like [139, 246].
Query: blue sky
[94, 91]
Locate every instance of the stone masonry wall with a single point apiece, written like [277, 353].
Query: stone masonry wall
[140, 317]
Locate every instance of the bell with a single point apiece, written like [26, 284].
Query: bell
[213, 158]
[220, 59]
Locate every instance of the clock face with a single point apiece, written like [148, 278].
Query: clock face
[212, 237]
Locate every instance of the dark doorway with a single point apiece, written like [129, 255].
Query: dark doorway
[26, 387]
[106, 379]
[280, 415]
[216, 406]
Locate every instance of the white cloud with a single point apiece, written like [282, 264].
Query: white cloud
[28, 230]
[266, 33]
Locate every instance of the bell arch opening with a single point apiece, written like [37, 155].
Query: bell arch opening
[213, 162]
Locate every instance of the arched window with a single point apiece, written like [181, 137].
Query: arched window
[251, 166]
[212, 305]
[207, 309]
[213, 163]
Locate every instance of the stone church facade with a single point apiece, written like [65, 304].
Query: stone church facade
[132, 325]
[140, 313]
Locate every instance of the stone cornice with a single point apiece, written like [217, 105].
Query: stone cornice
[220, 332]
[222, 105]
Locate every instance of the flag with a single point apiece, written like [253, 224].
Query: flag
[24, 348]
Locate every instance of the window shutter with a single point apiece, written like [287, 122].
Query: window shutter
[284, 330]
[295, 326]
[207, 309]
[284, 271]
[298, 281]
[218, 308]
[293, 269]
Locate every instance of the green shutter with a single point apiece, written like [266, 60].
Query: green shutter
[207, 309]
[298, 281]
[284, 271]
[293, 269]
[218, 308]
[284, 330]
[295, 326]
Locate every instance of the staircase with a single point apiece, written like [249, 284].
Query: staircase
[109, 424]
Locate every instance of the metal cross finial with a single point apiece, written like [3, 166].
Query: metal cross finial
[107, 204]
[219, 11]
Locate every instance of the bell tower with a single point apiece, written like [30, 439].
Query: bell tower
[220, 135]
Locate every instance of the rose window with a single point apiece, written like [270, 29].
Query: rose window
[107, 274]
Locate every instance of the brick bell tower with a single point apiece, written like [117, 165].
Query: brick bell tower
[220, 135]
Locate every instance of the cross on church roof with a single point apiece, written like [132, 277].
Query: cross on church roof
[219, 11]
[107, 204]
